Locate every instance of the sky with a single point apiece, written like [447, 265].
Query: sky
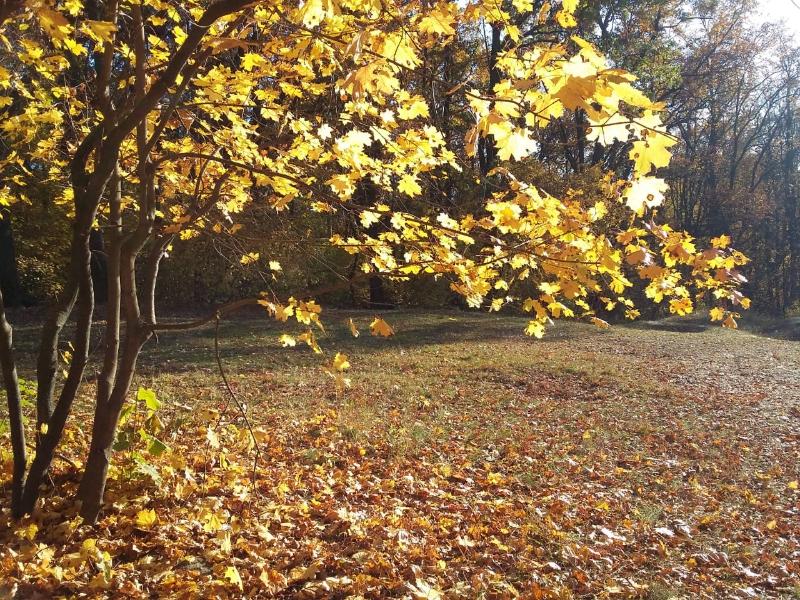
[782, 11]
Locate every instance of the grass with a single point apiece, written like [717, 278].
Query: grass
[645, 458]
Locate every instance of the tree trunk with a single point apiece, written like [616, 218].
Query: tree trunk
[81, 273]
[487, 152]
[9, 276]
[377, 294]
[14, 412]
[99, 266]
[106, 417]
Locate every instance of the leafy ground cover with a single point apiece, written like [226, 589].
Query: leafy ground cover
[466, 460]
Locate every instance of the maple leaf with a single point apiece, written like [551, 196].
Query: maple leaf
[721, 242]
[517, 145]
[653, 152]
[251, 60]
[379, 327]
[249, 258]
[645, 192]
[212, 438]
[313, 12]
[54, 23]
[340, 362]
[415, 107]
[535, 329]
[609, 130]
[422, 590]
[100, 31]
[409, 185]
[437, 22]
[145, 519]
[681, 306]
[233, 576]
[717, 314]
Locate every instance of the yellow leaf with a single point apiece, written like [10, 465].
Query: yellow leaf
[415, 107]
[535, 329]
[495, 478]
[721, 242]
[716, 314]
[29, 532]
[437, 22]
[652, 152]
[681, 306]
[792, 485]
[312, 12]
[566, 19]
[353, 329]
[645, 192]
[211, 522]
[99, 31]
[145, 519]
[54, 23]
[369, 218]
[340, 362]
[408, 185]
[516, 145]
[381, 327]
[249, 258]
[287, 340]
[232, 575]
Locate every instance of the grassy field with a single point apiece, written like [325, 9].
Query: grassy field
[658, 461]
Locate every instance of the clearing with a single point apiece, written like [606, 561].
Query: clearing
[466, 460]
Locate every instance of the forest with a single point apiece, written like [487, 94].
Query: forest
[399, 299]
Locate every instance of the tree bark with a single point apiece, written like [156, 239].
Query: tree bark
[99, 266]
[9, 276]
[14, 398]
[81, 275]
[95, 474]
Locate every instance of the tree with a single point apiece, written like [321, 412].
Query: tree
[182, 117]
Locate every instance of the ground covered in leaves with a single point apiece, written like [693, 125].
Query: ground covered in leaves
[465, 461]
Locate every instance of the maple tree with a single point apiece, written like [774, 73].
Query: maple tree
[158, 122]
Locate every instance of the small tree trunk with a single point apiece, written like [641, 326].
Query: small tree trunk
[47, 361]
[378, 298]
[106, 417]
[14, 412]
[81, 257]
[9, 276]
[99, 266]
[107, 412]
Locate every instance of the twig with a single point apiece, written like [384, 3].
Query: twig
[235, 399]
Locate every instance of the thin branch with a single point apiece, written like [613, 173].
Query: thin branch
[235, 399]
